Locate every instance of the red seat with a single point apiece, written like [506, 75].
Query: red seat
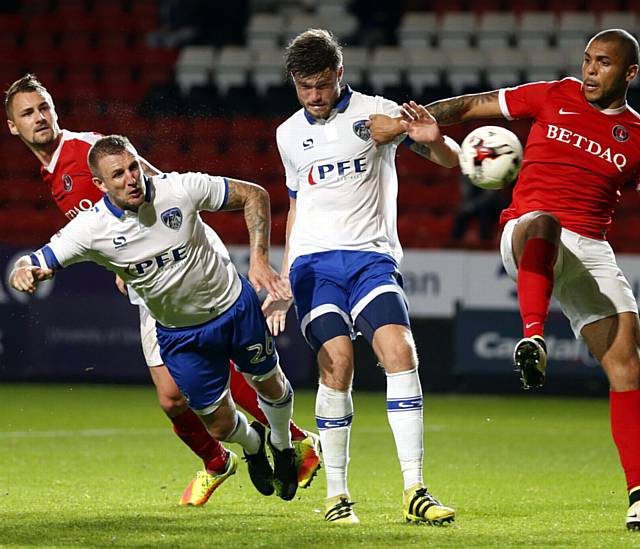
[231, 226]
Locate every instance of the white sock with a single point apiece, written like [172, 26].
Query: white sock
[334, 413]
[245, 435]
[404, 412]
[279, 415]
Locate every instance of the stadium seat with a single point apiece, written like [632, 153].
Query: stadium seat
[495, 30]
[619, 20]
[264, 31]
[424, 68]
[232, 67]
[386, 67]
[504, 67]
[356, 60]
[268, 70]
[343, 26]
[464, 68]
[70, 41]
[574, 28]
[230, 226]
[544, 64]
[417, 30]
[535, 29]
[194, 67]
[300, 22]
[456, 30]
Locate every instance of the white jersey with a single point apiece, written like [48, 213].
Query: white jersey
[345, 186]
[163, 251]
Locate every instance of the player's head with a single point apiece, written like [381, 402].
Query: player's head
[313, 59]
[31, 114]
[116, 171]
[610, 63]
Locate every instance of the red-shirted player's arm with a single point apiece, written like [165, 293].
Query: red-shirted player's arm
[148, 168]
[446, 112]
[466, 107]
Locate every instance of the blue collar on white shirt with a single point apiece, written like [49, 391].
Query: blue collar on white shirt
[341, 105]
[148, 193]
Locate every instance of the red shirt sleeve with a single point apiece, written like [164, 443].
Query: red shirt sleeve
[524, 101]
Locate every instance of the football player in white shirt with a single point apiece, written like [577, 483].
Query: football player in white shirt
[343, 252]
[153, 238]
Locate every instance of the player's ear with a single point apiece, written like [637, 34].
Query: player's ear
[12, 128]
[340, 73]
[632, 72]
[98, 183]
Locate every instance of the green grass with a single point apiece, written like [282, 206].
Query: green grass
[99, 467]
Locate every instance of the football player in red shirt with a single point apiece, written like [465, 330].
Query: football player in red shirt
[583, 146]
[32, 117]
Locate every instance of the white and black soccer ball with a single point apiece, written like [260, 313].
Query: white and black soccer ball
[491, 156]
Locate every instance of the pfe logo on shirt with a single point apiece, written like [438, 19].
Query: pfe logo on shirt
[361, 130]
[172, 218]
[620, 133]
[307, 144]
[67, 182]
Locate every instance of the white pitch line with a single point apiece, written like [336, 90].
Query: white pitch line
[80, 433]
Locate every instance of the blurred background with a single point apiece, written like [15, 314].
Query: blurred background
[199, 86]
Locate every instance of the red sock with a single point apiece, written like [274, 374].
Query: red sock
[625, 427]
[194, 434]
[535, 284]
[244, 395]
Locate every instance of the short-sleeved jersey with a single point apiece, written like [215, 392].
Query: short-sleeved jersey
[577, 157]
[184, 277]
[345, 187]
[68, 175]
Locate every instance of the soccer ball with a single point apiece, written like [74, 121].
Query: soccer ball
[491, 157]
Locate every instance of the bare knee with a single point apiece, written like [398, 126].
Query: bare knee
[400, 358]
[171, 401]
[221, 423]
[623, 373]
[336, 370]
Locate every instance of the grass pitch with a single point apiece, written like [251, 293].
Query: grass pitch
[100, 467]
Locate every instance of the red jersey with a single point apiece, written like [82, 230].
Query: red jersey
[577, 157]
[68, 174]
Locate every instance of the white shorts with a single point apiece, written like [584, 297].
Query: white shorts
[148, 338]
[588, 283]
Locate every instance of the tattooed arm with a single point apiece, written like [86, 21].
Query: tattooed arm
[446, 111]
[257, 214]
[466, 107]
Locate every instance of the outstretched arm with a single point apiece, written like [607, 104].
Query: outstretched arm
[466, 107]
[25, 275]
[446, 112]
[427, 139]
[254, 199]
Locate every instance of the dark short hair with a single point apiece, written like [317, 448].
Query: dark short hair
[626, 41]
[27, 84]
[106, 146]
[312, 52]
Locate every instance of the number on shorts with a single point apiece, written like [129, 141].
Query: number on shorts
[261, 352]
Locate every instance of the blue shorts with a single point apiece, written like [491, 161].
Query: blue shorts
[198, 356]
[345, 283]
